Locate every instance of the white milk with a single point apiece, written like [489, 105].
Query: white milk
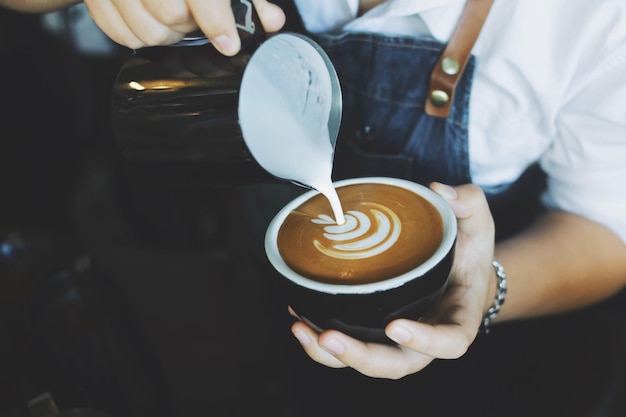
[284, 108]
[363, 235]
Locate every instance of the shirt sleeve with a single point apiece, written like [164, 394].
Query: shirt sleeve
[326, 15]
[586, 164]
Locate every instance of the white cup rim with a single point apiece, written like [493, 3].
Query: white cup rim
[448, 240]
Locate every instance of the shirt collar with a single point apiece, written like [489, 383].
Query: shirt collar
[407, 7]
[438, 16]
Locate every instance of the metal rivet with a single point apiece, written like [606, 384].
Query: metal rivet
[450, 66]
[439, 98]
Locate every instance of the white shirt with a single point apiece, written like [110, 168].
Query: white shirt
[549, 86]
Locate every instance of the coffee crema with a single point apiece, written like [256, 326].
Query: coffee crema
[388, 231]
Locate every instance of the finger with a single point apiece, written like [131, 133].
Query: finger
[459, 304]
[308, 339]
[129, 24]
[373, 359]
[174, 14]
[470, 206]
[215, 19]
[476, 233]
[107, 18]
[272, 16]
[144, 25]
[442, 341]
[292, 312]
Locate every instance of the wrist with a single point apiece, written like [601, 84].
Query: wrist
[498, 292]
[492, 289]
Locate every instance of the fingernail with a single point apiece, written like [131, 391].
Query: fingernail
[447, 192]
[334, 346]
[303, 338]
[226, 45]
[399, 334]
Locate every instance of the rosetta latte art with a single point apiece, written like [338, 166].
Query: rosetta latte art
[388, 231]
[363, 235]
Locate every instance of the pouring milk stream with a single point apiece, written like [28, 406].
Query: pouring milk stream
[289, 113]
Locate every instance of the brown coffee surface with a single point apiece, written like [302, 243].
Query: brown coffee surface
[388, 231]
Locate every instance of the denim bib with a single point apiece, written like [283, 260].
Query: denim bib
[384, 129]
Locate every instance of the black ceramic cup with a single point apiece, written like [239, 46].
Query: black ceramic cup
[363, 310]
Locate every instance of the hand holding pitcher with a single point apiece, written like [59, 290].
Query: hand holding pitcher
[139, 23]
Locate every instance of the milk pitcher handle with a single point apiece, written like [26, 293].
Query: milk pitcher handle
[248, 24]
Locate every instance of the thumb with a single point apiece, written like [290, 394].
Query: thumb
[470, 207]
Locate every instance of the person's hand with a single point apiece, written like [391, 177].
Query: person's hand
[448, 332]
[139, 23]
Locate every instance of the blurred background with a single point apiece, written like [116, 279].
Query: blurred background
[114, 289]
[118, 292]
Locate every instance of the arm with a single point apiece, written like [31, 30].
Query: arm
[37, 6]
[561, 263]
[139, 23]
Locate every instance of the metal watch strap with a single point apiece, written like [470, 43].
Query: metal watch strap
[499, 299]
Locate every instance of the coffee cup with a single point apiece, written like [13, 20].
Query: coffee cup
[390, 259]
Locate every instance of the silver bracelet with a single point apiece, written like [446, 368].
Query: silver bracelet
[499, 300]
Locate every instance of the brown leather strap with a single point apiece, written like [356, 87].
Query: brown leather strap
[452, 63]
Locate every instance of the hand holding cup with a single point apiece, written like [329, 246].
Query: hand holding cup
[448, 330]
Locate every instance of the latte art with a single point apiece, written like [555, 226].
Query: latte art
[388, 230]
[363, 235]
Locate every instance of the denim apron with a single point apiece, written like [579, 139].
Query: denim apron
[384, 130]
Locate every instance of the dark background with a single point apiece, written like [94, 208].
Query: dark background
[118, 294]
